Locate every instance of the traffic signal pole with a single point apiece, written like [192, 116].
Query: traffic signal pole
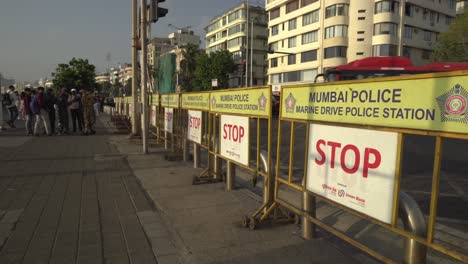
[135, 119]
[144, 83]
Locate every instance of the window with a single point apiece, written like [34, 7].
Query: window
[310, 18]
[336, 31]
[237, 56]
[427, 35]
[451, 4]
[308, 75]
[274, 30]
[386, 6]
[408, 32]
[291, 6]
[308, 2]
[275, 78]
[448, 20]
[337, 10]
[292, 42]
[334, 52]
[361, 32]
[236, 29]
[385, 29]
[409, 9]
[274, 46]
[309, 37]
[213, 27]
[234, 15]
[361, 11]
[361, 18]
[275, 13]
[274, 63]
[224, 21]
[291, 59]
[235, 42]
[407, 52]
[360, 39]
[294, 76]
[309, 56]
[292, 24]
[224, 34]
[359, 53]
[384, 50]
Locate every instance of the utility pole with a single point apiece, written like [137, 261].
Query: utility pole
[135, 119]
[251, 51]
[247, 45]
[143, 63]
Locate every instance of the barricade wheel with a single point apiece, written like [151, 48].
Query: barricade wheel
[245, 221]
[253, 223]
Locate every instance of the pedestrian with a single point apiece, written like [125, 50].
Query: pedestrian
[74, 101]
[12, 106]
[39, 109]
[49, 102]
[62, 108]
[28, 114]
[101, 104]
[88, 112]
[21, 106]
[96, 105]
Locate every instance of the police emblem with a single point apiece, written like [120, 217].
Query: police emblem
[290, 103]
[453, 105]
[213, 102]
[262, 101]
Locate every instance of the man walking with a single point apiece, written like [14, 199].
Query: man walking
[28, 114]
[42, 115]
[88, 112]
[49, 101]
[62, 108]
[75, 109]
[12, 106]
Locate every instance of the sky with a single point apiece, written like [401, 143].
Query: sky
[36, 35]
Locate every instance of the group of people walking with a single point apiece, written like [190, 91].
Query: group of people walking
[41, 107]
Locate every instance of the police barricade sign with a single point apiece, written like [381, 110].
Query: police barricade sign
[353, 167]
[196, 103]
[168, 119]
[153, 115]
[234, 129]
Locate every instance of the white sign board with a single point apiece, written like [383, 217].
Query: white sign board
[214, 82]
[153, 116]
[194, 132]
[168, 119]
[130, 110]
[353, 167]
[235, 138]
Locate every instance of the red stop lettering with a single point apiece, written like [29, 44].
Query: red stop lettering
[371, 158]
[233, 132]
[195, 122]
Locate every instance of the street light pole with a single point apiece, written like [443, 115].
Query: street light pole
[143, 63]
[251, 51]
[135, 123]
[247, 46]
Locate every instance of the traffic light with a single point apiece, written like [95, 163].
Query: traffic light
[243, 67]
[156, 11]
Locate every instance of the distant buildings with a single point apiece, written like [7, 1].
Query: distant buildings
[461, 4]
[121, 74]
[233, 31]
[102, 78]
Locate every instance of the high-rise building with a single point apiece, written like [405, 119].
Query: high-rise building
[240, 29]
[318, 34]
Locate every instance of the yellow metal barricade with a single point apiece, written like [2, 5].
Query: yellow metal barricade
[352, 136]
[195, 125]
[169, 120]
[234, 114]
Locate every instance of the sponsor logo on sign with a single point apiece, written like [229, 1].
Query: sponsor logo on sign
[213, 102]
[262, 101]
[290, 103]
[341, 193]
[453, 105]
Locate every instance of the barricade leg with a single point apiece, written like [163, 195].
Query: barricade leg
[166, 143]
[230, 176]
[196, 156]
[185, 150]
[308, 204]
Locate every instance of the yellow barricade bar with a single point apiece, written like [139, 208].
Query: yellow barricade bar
[253, 102]
[170, 100]
[196, 101]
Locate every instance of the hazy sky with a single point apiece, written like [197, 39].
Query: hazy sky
[36, 35]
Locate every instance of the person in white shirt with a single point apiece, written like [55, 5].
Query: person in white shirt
[12, 107]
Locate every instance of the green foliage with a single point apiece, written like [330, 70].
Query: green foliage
[188, 63]
[105, 87]
[78, 73]
[217, 65]
[452, 45]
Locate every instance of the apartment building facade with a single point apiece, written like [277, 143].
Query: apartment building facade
[240, 30]
[318, 34]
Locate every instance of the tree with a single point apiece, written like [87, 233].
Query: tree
[453, 45]
[187, 64]
[78, 73]
[105, 87]
[217, 65]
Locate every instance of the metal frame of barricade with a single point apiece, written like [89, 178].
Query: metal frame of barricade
[153, 118]
[197, 101]
[403, 206]
[172, 141]
[262, 164]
